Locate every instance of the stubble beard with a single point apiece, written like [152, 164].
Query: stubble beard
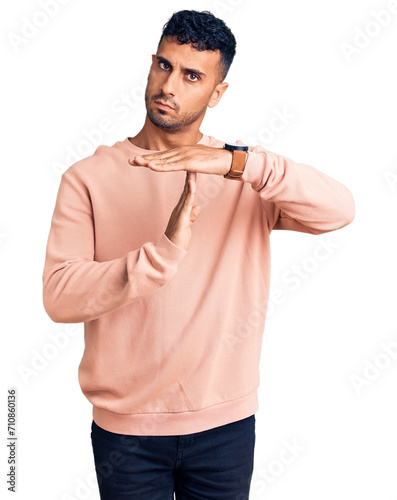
[160, 119]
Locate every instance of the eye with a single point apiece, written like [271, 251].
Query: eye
[192, 77]
[164, 65]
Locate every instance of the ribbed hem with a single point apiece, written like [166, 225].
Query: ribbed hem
[173, 424]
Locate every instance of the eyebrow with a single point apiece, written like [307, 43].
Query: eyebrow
[187, 70]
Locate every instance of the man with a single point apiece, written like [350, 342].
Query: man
[174, 305]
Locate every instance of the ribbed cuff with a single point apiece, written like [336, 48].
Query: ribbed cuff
[254, 169]
[169, 250]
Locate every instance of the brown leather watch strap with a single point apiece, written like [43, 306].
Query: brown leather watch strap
[238, 165]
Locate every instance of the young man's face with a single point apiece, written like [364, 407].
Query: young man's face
[182, 82]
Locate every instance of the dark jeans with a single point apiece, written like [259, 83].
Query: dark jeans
[213, 464]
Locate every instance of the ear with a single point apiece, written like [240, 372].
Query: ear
[218, 92]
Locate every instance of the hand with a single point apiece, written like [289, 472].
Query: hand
[184, 214]
[197, 158]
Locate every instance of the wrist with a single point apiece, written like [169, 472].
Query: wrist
[228, 161]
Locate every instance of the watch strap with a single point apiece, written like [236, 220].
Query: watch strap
[239, 161]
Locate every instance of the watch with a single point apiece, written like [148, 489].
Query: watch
[239, 160]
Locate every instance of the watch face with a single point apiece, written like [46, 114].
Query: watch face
[235, 146]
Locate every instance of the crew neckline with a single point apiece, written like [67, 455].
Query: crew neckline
[205, 140]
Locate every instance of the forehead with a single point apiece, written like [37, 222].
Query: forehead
[187, 57]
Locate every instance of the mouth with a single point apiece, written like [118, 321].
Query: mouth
[162, 105]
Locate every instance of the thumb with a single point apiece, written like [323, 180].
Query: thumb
[195, 212]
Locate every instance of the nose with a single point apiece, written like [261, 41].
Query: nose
[169, 85]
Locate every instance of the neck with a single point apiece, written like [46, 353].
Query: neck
[156, 139]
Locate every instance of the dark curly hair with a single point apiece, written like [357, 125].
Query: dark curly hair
[203, 31]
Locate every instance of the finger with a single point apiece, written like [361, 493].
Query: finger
[185, 193]
[186, 188]
[191, 179]
[160, 156]
[132, 162]
[147, 162]
[191, 176]
[164, 161]
[138, 161]
[165, 165]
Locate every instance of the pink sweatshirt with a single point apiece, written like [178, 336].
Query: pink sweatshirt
[173, 337]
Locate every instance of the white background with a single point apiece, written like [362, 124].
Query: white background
[312, 61]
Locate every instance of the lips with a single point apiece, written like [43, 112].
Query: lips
[163, 105]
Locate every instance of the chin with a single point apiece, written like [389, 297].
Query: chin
[159, 120]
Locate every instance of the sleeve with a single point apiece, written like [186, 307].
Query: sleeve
[77, 288]
[305, 199]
